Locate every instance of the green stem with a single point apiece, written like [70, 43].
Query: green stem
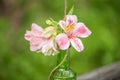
[68, 58]
[49, 77]
[65, 7]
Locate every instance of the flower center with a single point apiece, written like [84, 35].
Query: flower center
[69, 27]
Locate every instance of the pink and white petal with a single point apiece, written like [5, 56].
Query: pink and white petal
[42, 42]
[44, 48]
[63, 41]
[77, 44]
[34, 48]
[28, 35]
[35, 40]
[62, 24]
[53, 44]
[81, 30]
[55, 47]
[70, 19]
[36, 43]
[75, 19]
[36, 30]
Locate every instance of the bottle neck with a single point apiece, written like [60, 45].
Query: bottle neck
[66, 63]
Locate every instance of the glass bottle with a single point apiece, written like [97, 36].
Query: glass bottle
[64, 71]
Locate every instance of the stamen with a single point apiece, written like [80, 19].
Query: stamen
[69, 27]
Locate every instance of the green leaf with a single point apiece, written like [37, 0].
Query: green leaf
[71, 11]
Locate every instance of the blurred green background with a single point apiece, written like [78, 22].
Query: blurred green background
[17, 62]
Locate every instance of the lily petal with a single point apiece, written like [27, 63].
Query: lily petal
[81, 30]
[54, 45]
[28, 35]
[62, 24]
[63, 41]
[34, 48]
[70, 19]
[36, 30]
[77, 44]
[45, 48]
[35, 41]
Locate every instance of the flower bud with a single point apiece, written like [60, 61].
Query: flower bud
[49, 22]
[49, 32]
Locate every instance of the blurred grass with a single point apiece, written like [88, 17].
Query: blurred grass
[101, 48]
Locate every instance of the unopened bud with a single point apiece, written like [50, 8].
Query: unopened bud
[49, 22]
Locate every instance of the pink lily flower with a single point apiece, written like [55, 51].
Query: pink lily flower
[35, 37]
[73, 31]
[42, 40]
